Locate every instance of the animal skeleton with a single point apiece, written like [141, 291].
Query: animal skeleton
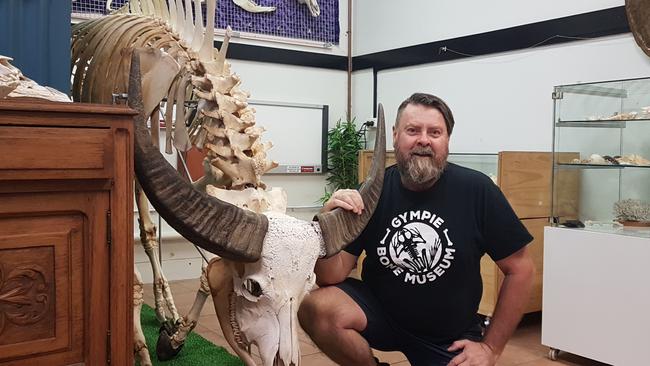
[268, 260]
[179, 63]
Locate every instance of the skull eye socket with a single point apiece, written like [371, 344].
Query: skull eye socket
[253, 287]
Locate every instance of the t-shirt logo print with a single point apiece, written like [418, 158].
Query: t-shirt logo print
[414, 249]
[410, 250]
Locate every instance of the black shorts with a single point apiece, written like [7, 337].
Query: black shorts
[383, 334]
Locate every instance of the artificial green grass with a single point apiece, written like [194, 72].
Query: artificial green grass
[197, 350]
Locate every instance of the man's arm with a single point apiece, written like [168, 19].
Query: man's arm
[335, 269]
[518, 269]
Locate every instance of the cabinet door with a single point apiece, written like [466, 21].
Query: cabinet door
[54, 301]
[525, 179]
[493, 277]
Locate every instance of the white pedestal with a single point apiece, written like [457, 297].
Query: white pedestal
[596, 299]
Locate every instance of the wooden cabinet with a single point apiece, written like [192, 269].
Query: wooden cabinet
[66, 234]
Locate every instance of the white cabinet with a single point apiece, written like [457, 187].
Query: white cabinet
[596, 299]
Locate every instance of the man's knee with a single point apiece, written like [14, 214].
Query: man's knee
[312, 310]
[330, 309]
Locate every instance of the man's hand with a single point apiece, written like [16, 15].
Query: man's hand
[473, 354]
[347, 199]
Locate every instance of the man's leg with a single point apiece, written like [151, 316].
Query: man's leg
[334, 321]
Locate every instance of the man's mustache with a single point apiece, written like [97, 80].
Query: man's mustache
[423, 150]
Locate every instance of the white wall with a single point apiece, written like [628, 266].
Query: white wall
[292, 84]
[384, 25]
[362, 98]
[503, 102]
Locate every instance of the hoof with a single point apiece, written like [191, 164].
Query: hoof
[164, 349]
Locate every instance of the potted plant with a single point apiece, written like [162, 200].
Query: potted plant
[343, 144]
[632, 212]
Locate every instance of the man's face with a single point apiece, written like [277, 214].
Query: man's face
[421, 145]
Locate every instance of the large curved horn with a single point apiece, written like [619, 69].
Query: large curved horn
[340, 227]
[214, 225]
[637, 17]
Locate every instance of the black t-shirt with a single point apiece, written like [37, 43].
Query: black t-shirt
[424, 249]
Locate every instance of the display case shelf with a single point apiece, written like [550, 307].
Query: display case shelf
[598, 166]
[610, 228]
[599, 123]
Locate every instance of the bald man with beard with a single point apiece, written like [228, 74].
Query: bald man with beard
[421, 283]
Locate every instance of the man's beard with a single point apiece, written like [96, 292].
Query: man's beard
[420, 166]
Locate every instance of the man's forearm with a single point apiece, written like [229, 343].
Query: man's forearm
[513, 298]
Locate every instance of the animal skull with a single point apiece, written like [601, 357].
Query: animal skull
[261, 298]
[14, 84]
[261, 309]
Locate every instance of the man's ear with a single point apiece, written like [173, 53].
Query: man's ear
[394, 136]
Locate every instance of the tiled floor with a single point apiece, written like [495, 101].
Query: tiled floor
[524, 348]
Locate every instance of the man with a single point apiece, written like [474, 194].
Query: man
[421, 277]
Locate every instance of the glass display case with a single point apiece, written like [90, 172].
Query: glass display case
[486, 163]
[601, 156]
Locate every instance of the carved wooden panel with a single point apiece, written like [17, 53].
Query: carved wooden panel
[41, 286]
[27, 303]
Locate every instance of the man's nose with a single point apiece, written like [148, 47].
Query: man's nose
[423, 139]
